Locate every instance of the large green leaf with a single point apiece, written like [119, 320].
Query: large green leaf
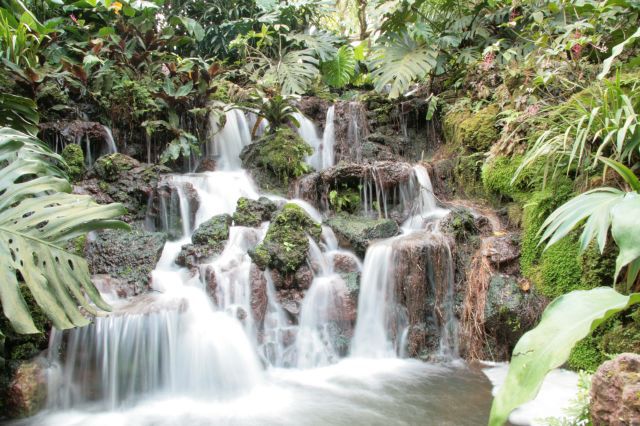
[400, 63]
[625, 229]
[295, 71]
[567, 320]
[615, 52]
[339, 71]
[19, 113]
[37, 215]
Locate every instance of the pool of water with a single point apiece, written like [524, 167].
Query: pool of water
[352, 392]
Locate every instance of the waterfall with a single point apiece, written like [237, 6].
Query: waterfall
[323, 147]
[381, 328]
[372, 337]
[108, 138]
[227, 143]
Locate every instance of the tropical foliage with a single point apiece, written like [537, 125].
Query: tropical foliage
[37, 216]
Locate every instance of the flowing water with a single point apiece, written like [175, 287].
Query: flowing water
[196, 353]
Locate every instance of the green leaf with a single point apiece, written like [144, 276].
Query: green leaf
[401, 63]
[625, 229]
[184, 90]
[567, 320]
[19, 113]
[295, 71]
[38, 215]
[339, 71]
[624, 172]
[615, 52]
[321, 43]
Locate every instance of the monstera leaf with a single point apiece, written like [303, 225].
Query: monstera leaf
[295, 71]
[339, 71]
[400, 63]
[38, 215]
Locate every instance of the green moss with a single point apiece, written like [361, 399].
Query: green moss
[109, 167]
[498, 173]
[467, 174]
[559, 270]
[475, 131]
[212, 232]
[74, 159]
[253, 212]
[286, 244]
[586, 355]
[277, 157]
[539, 205]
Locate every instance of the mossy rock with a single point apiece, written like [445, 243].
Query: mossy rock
[286, 244]
[474, 131]
[498, 174]
[467, 173]
[358, 232]
[277, 158]
[253, 212]
[460, 223]
[109, 167]
[74, 159]
[213, 230]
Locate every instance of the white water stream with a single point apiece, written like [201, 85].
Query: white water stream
[190, 353]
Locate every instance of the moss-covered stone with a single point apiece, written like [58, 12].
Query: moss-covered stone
[559, 269]
[286, 244]
[497, 176]
[358, 232]
[475, 131]
[74, 159]
[213, 230]
[110, 167]
[207, 241]
[467, 174]
[276, 158]
[253, 212]
[460, 223]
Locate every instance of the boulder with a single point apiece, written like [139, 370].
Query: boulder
[208, 240]
[615, 392]
[27, 391]
[253, 212]
[122, 179]
[286, 244]
[127, 256]
[164, 211]
[358, 232]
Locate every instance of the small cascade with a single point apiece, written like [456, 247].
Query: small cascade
[372, 337]
[111, 144]
[323, 147]
[382, 328]
[321, 314]
[227, 143]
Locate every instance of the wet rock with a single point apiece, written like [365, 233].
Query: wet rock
[459, 223]
[208, 240]
[253, 212]
[286, 244]
[303, 277]
[164, 212]
[27, 391]
[357, 232]
[259, 300]
[122, 179]
[110, 285]
[314, 108]
[127, 256]
[508, 313]
[345, 263]
[424, 279]
[206, 165]
[211, 284]
[615, 392]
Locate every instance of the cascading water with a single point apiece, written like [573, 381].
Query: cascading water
[380, 331]
[323, 147]
[179, 356]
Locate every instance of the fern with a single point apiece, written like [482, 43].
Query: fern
[400, 63]
[339, 71]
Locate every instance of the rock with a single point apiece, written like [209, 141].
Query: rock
[253, 212]
[122, 179]
[615, 392]
[357, 232]
[423, 276]
[286, 244]
[291, 301]
[344, 263]
[259, 300]
[110, 285]
[127, 256]
[460, 223]
[165, 211]
[27, 391]
[509, 312]
[208, 240]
